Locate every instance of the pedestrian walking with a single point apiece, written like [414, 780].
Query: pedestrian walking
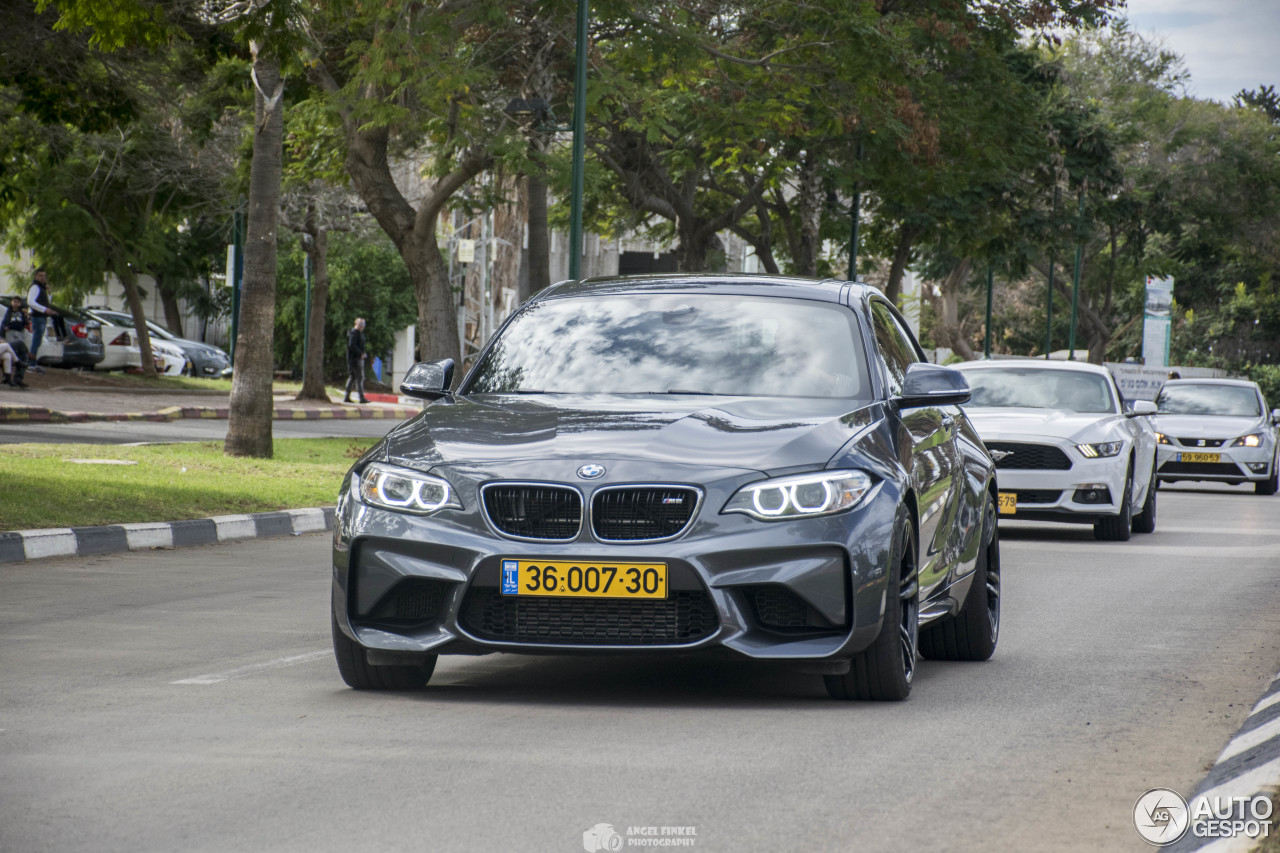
[355, 361]
[41, 313]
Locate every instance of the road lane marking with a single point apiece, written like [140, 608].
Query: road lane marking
[253, 668]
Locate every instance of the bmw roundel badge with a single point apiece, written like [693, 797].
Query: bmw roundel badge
[591, 472]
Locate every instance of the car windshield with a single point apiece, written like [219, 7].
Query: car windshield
[1206, 399]
[675, 344]
[126, 321]
[1039, 388]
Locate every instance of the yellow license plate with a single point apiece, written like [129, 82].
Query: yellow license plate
[584, 579]
[1008, 503]
[1199, 457]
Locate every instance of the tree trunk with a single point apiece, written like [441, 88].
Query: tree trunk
[249, 426]
[901, 256]
[313, 359]
[808, 207]
[700, 251]
[508, 226]
[172, 313]
[130, 281]
[539, 237]
[945, 299]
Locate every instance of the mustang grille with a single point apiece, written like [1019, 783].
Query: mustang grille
[642, 513]
[684, 617]
[1030, 456]
[534, 512]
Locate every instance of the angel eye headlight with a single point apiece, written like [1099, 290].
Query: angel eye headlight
[404, 490]
[800, 496]
[1102, 448]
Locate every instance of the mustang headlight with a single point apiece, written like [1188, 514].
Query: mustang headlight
[1254, 440]
[800, 496]
[1101, 448]
[404, 490]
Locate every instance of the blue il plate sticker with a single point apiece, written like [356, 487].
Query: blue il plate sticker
[510, 577]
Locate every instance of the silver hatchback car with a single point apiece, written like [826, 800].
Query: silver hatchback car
[1217, 430]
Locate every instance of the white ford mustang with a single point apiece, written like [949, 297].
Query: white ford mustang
[1066, 446]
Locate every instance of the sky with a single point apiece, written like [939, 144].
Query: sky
[1227, 45]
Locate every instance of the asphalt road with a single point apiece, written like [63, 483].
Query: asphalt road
[188, 429]
[187, 701]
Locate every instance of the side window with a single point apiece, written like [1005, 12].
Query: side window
[896, 349]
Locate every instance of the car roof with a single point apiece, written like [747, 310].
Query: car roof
[740, 284]
[1208, 380]
[1047, 364]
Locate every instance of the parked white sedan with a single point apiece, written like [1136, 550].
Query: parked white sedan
[124, 352]
[1066, 446]
[1216, 429]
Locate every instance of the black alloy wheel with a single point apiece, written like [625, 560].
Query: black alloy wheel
[1119, 527]
[1145, 520]
[972, 633]
[885, 669]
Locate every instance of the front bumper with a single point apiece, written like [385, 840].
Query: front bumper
[1234, 464]
[800, 590]
[1090, 489]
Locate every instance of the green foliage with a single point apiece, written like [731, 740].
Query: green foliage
[367, 279]
[1268, 378]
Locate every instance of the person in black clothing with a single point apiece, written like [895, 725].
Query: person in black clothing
[355, 361]
[11, 329]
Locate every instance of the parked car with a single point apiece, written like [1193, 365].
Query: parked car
[1066, 445]
[80, 346]
[747, 464]
[206, 359]
[124, 352]
[1217, 430]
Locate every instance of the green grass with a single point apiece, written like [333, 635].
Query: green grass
[170, 482]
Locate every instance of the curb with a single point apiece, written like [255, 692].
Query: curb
[36, 414]
[1249, 765]
[21, 545]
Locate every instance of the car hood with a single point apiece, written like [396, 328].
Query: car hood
[762, 434]
[998, 423]
[1206, 426]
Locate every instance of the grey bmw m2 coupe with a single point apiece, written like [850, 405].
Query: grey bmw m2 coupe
[760, 466]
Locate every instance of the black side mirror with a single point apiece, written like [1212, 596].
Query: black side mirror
[932, 385]
[428, 380]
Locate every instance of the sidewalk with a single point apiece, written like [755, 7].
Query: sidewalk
[58, 397]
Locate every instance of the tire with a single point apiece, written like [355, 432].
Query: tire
[973, 632]
[1145, 520]
[883, 672]
[1118, 528]
[1270, 485]
[359, 674]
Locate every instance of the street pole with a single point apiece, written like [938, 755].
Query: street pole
[306, 319]
[986, 339]
[579, 144]
[237, 239]
[1075, 278]
[855, 214]
[1053, 262]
